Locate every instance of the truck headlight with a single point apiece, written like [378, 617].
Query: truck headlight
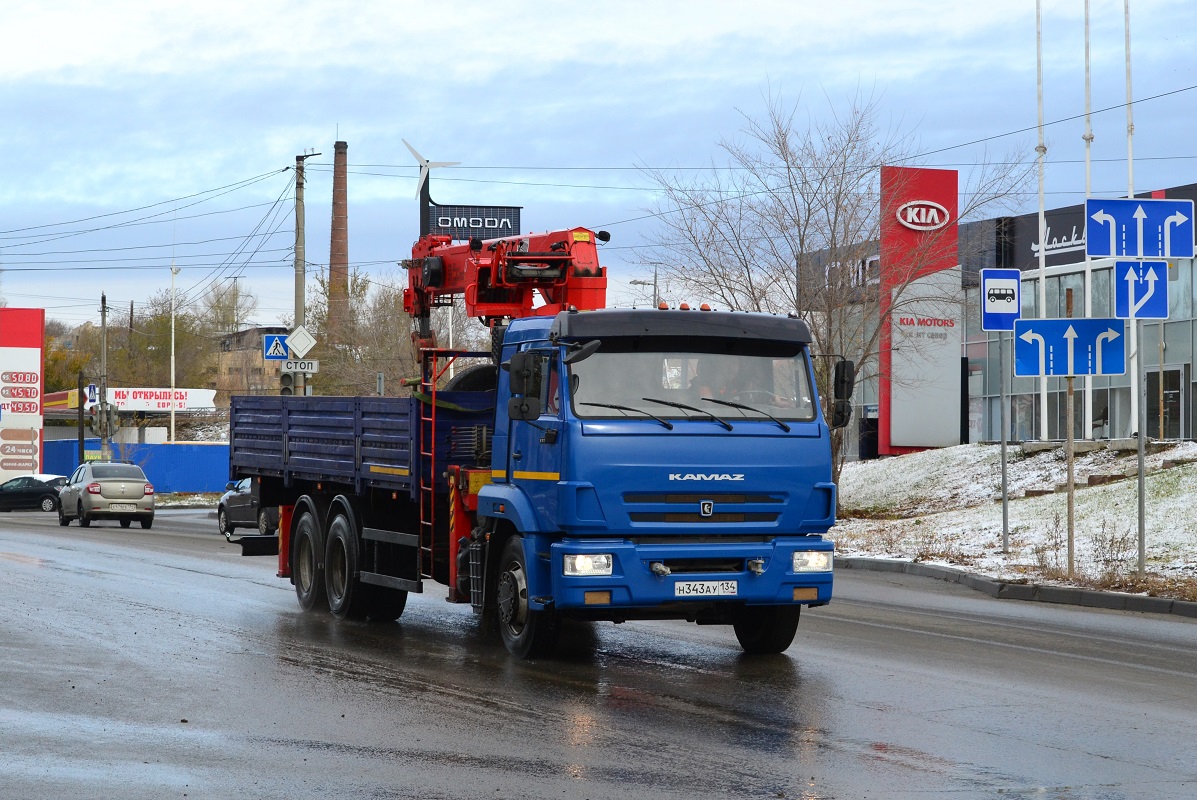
[588, 564]
[812, 561]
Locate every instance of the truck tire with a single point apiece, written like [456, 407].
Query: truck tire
[526, 633]
[305, 564]
[346, 594]
[384, 604]
[764, 630]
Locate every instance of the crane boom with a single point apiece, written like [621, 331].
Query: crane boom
[500, 278]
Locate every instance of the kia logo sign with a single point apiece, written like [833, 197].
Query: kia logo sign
[923, 215]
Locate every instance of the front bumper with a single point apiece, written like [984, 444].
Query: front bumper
[761, 571]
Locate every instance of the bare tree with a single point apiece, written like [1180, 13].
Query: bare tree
[375, 337]
[792, 225]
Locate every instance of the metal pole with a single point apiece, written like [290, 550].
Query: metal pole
[1140, 381]
[1041, 149]
[1087, 431]
[1136, 325]
[300, 258]
[105, 445]
[173, 272]
[79, 415]
[1070, 453]
[1005, 485]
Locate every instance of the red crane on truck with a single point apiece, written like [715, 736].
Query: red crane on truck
[501, 278]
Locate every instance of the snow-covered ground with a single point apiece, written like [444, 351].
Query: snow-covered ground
[944, 506]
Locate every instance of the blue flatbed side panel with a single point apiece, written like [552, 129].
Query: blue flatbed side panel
[256, 434]
[386, 449]
[372, 439]
[321, 436]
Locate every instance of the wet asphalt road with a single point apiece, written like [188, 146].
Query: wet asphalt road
[158, 664]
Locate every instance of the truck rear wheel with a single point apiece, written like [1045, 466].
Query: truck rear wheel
[346, 594]
[766, 629]
[526, 633]
[305, 564]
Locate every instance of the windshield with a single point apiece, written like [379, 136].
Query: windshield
[732, 386]
[118, 471]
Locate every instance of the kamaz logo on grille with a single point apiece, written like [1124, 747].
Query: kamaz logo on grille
[706, 476]
[706, 508]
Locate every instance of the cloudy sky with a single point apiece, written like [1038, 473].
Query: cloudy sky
[137, 133]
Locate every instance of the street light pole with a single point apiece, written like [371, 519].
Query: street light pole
[173, 272]
[656, 293]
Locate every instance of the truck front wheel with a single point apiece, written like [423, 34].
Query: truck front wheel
[766, 629]
[305, 564]
[527, 633]
[346, 595]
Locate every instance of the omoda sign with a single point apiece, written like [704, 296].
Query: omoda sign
[923, 215]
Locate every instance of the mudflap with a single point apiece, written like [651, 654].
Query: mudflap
[257, 545]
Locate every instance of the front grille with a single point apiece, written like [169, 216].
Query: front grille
[648, 516]
[691, 566]
[690, 499]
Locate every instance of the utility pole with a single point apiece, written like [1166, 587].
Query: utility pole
[105, 444]
[300, 256]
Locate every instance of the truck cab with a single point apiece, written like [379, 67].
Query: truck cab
[654, 464]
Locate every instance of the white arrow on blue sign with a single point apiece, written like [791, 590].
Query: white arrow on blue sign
[1141, 289]
[1069, 347]
[1001, 299]
[274, 347]
[1160, 228]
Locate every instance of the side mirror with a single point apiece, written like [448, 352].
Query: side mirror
[525, 373]
[524, 408]
[844, 382]
[230, 486]
[841, 413]
[581, 352]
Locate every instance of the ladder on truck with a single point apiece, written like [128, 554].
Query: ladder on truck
[430, 373]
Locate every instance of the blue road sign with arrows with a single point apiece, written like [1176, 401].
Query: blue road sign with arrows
[274, 347]
[1139, 228]
[1141, 289]
[1069, 347]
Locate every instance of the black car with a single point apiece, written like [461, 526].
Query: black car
[31, 491]
[238, 508]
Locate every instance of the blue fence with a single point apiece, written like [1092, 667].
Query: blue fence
[174, 467]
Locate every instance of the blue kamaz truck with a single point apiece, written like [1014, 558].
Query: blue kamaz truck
[606, 465]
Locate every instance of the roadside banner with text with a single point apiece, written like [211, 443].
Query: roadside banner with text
[21, 337]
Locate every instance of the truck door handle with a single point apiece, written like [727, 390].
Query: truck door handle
[517, 454]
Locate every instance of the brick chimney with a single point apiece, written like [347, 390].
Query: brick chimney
[338, 258]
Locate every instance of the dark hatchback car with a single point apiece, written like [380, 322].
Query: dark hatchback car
[31, 491]
[238, 508]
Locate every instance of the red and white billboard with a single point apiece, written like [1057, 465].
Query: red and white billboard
[922, 324]
[22, 332]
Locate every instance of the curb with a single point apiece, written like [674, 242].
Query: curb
[1067, 595]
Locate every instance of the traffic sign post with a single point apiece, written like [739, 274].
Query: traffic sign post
[1069, 347]
[1001, 307]
[274, 347]
[1141, 289]
[1001, 299]
[1134, 228]
[306, 366]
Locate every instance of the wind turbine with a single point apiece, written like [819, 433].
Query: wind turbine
[422, 192]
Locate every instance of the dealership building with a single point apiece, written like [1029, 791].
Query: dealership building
[940, 377]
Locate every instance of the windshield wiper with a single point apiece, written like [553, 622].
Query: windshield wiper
[668, 425]
[743, 407]
[707, 414]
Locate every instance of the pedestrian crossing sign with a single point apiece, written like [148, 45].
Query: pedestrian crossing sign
[274, 347]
